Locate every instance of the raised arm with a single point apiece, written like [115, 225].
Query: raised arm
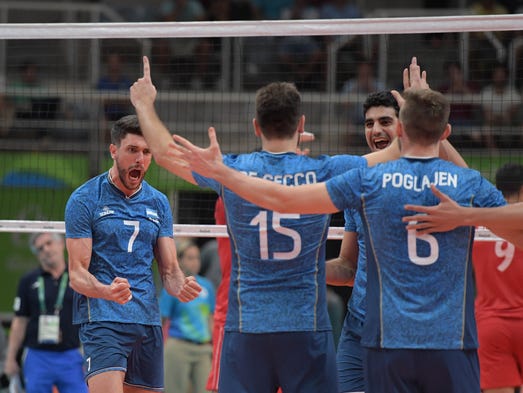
[158, 137]
[505, 221]
[173, 279]
[306, 199]
[82, 281]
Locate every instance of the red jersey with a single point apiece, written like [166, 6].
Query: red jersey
[498, 268]
[224, 252]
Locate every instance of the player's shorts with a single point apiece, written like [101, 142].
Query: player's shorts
[217, 340]
[500, 352]
[63, 369]
[135, 349]
[421, 370]
[349, 357]
[299, 362]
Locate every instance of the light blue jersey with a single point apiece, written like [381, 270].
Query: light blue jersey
[124, 231]
[278, 260]
[190, 321]
[421, 291]
[356, 304]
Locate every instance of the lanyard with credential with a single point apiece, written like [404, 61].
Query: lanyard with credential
[59, 299]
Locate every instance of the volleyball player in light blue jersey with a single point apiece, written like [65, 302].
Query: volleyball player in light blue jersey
[277, 328]
[116, 223]
[278, 261]
[420, 333]
[381, 112]
[100, 211]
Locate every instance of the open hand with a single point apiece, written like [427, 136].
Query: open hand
[440, 218]
[206, 161]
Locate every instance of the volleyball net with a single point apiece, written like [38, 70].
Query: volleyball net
[62, 85]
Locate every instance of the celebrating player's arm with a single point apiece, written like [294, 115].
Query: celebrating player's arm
[305, 199]
[185, 288]
[143, 95]
[82, 281]
[505, 221]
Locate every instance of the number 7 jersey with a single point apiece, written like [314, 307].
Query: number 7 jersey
[278, 260]
[124, 231]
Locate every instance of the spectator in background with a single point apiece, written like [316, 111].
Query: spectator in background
[211, 262]
[185, 60]
[340, 9]
[270, 9]
[482, 44]
[463, 112]
[364, 83]
[498, 268]
[28, 78]
[350, 48]
[115, 80]
[188, 344]
[7, 110]
[42, 325]
[301, 58]
[227, 10]
[501, 103]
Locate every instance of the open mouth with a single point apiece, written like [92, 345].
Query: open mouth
[135, 174]
[381, 143]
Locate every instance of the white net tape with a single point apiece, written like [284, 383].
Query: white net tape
[182, 230]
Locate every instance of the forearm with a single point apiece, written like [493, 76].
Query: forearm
[16, 338]
[338, 272]
[449, 153]
[508, 217]
[173, 281]
[249, 188]
[153, 129]
[306, 199]
[160, 141]
[83, 282]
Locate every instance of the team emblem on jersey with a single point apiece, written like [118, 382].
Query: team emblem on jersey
[152, 215]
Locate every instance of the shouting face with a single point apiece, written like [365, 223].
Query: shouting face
[381, 123]
[131, 161]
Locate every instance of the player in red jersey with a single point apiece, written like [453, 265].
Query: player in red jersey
[224, 253]
[498, 267]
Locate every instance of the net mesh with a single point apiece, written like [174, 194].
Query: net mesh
[63, 84]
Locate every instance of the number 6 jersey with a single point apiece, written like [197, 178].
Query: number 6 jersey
[420, 290]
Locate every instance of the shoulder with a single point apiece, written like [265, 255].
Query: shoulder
[30, 277]
[90, 186]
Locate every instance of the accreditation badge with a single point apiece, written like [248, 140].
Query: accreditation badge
[49, 329]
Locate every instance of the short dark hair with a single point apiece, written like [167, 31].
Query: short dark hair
[125, 125]
[381, 98]
[509, 179]
[278, 109]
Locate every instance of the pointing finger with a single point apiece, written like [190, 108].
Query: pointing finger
[146, 68]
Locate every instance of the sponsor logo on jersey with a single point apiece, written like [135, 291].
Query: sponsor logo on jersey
[105, 211]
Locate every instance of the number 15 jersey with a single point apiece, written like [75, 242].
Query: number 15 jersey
[278, 260]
